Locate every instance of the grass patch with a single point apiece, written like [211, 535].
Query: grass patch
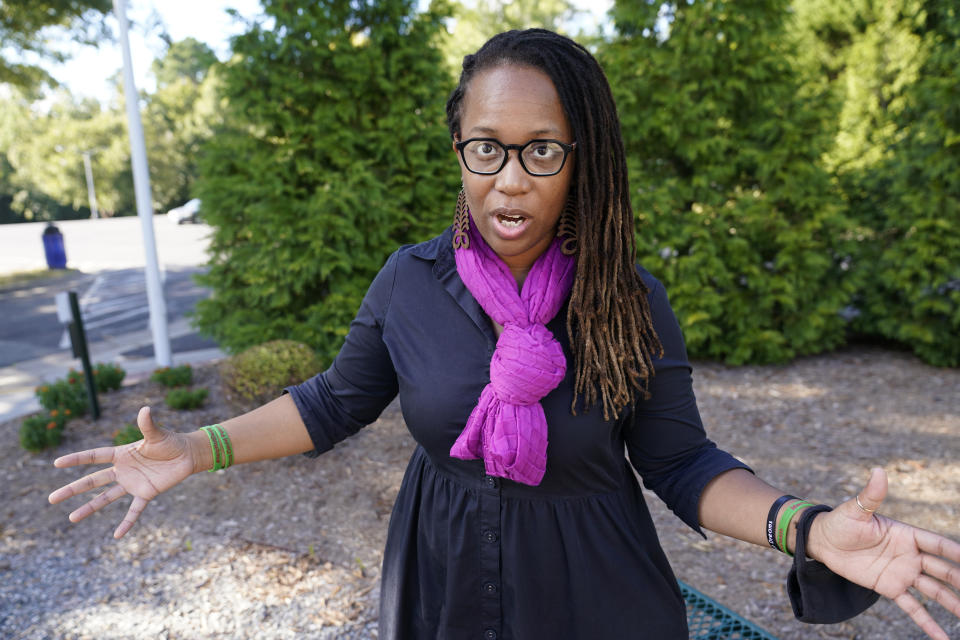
[23, 278]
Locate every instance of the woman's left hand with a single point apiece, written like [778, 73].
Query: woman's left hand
[888, 556]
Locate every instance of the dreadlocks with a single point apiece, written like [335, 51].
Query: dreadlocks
[608, 317]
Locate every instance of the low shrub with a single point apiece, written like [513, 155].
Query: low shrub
[109, 377]
[129, 433]
[260, 373]
[181, 376]
[41, 431]
[186, 398]
[68, 394]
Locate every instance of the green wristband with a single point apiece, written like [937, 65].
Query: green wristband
[214, 442]
[783, 524]
[225, 444]
[220, 445]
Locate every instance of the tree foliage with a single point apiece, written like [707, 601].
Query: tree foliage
[42, 146]
[914, 296]
[477, 21]
[736, 212]
[24, 31]
[795, 165]
[896, 158]
[335, 153]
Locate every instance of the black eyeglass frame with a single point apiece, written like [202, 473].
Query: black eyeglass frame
[567, 148]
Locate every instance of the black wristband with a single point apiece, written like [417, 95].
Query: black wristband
[772, 520]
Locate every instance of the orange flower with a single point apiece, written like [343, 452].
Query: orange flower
[53, 412]
[51, 426]
[71, 380]
[66, 412]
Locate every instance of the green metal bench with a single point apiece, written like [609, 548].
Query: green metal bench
[707, 619]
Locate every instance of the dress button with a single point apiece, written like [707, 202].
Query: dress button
[491, 482]
[490, 536]
[490, 634]
[490, 587]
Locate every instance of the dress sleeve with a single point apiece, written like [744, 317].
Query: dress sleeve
[665, 439]
[361, 382]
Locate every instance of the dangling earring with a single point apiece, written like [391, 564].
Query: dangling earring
[567, 226]
[461, 223]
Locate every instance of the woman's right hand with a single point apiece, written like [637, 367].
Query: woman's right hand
[142, 469]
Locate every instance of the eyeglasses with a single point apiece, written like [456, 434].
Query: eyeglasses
[488, 156]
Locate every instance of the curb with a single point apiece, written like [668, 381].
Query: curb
[18, 381]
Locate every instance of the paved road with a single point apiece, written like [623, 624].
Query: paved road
[110, 283]
[112, 303]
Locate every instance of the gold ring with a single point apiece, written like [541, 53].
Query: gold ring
[863, 507]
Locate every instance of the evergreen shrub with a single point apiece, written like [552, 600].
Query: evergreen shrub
[260, 373]
[335, 153]
[896, 158]
[912, 293]
[736, 214]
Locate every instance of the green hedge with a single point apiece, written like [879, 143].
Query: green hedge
[337, 154]
[735, 212]
[795, 169]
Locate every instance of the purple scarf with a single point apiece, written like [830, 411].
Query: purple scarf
[507, 428]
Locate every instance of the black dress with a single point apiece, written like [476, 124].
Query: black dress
[473, 556]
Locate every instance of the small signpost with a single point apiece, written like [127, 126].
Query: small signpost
[68, 311]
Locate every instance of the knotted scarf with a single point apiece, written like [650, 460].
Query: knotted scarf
[508, 428]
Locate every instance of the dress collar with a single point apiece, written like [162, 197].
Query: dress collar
[440, 251]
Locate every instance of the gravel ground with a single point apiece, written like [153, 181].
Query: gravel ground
[292, 548]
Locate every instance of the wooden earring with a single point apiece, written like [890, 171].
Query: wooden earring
[461, 223]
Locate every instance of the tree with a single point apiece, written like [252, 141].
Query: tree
[916, 294]
[24, 26]
[185, 60]
[736, 212]
[476, 22]
[43, 146]
[892, 65]
[43, 149]
[179, 117]
[334, 153]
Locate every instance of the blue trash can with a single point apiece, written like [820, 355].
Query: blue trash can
[53, 248]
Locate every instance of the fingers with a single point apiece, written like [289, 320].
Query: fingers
[92, 481]
[941, 570]
[101, 455]
[136, 508]
[99, 502]
[920, 616]
[937, 545]
[872, 496]
[935, 590]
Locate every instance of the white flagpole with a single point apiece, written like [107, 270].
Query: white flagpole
[141, 185]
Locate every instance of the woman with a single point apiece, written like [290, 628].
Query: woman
[505, 527]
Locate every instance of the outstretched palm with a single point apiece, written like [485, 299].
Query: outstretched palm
[142, 469]
[889, 556]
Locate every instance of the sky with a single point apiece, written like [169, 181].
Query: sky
[89, 70]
